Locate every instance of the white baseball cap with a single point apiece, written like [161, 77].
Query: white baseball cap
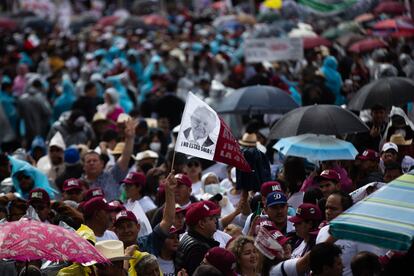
[389, 146]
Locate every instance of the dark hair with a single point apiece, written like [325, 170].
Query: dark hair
[323, 254]
[152, 183]
[161, 136]
[207, 270]
[312, 195]
[346, 199]
[294, 172]
[109, 135]
[365, 263]
[89, 86]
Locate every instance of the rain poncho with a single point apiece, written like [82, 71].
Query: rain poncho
[333, 80]
[124, 100]
[9, 106]
[40, 179]
[64, 102]
[151, 69]
[137, 257]
[396, 111]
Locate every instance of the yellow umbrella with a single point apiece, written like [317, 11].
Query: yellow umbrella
[273, 4]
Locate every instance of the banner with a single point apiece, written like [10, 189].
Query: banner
[273, 49]
[327, 7]
[203, 134]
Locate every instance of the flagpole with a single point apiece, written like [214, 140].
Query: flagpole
[173, 160]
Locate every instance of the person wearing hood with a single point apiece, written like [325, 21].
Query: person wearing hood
[38, 148]
[26, 177]
[75, 129]
[64, 102]
[110, 108]
[34, 110]
[52, 164]
[333, 80]
[8, 102]
[399, 123]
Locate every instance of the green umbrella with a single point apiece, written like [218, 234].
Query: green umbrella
[384, 218]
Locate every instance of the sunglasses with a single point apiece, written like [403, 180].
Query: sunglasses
[193, 164]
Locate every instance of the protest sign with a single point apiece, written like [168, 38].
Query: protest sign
[273, 49]
[203, 134]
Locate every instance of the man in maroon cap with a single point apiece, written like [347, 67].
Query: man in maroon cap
[201, 219]
[72, 190]
[368, 168]
[97, 215]
[306, 221]
[182, 196]
[94, 192]
[39, 199]
[329, 182]
[222, 259]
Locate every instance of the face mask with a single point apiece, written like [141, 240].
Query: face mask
[212, 189]
[155, 146]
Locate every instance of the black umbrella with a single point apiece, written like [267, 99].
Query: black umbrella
[388, 92]
[257, 99]
[317, 119]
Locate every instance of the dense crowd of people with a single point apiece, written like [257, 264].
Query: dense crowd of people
[89, 123]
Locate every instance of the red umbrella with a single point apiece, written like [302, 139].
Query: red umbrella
[404, 33]
[7, 24]
[29, 240]
[156, 20]
[401, 23]
[312, 42]
[367, 45]
[390, 8]
[110, 20]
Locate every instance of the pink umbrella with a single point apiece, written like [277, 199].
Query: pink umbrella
[367, 45]
[27, 240]
[156, 20]
[312, 42]
[110, 20]
[390, 8]
[401, 23]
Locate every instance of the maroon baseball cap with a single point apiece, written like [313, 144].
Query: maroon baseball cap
[369, 154]
[179, 209]
[95, 204]
[173, 230]
[117, 205]
[197, 211]
[135, 178]
[125, 216]
[279, 237]
[270, 187]
[306, 211]
[94, 192]
[263, 223]
[328, 175]
[222, 259]
[183, 179]
[39, 195]
[72, 184]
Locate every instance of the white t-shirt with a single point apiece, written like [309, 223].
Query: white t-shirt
[143, 221]
[196, 188]
[349, 249]
[108, 235]
[234, 199]
[297, 253]
[226, 184]
[167, 267]
[222, 238]
[289, 267]
[147, 204]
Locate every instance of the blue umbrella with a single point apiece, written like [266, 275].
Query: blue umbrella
[384, 218]
[316, 147]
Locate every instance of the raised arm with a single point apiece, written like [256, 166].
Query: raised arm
[129, 132]
[169, 208]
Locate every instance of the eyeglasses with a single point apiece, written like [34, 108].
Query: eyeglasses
[193, 164]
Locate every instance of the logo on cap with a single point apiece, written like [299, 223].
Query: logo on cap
[72, 183]
[277, 196]
[121, 215]
[97, 193]
[298, 211]
[206, 207]
[37, 195]
[312, 211]
[130, 176]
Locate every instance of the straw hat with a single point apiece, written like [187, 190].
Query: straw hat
[112, 250]
[399, 140]
[119, 148]
[148, 154]
[248, 140]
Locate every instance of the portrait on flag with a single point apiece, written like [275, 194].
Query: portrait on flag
[200, 127]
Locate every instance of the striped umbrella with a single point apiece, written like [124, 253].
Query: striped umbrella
[385, 218]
